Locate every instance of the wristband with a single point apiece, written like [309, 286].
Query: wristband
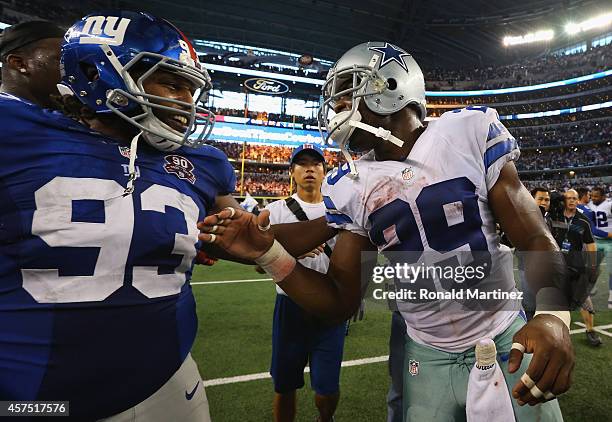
[552, 301]
[562, 315]
[277, 262]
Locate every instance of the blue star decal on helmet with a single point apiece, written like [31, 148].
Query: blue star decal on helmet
[391, 53]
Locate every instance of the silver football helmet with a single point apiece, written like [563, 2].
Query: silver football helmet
[384, 76]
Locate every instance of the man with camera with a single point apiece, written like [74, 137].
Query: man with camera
[572, 232]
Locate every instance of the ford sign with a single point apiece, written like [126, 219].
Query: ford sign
[266, 86]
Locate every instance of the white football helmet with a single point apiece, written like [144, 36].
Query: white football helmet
[385, 76]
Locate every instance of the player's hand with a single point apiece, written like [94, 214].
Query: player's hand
[551, 366]
[202, 258]
[313, 253]
[240, 233]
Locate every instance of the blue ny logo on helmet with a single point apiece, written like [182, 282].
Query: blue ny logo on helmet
[98, 55]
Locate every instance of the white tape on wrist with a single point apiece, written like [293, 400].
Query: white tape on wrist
[277, 262]
[562, 315]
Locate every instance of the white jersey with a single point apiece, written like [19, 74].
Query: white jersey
[603, 215]
[435, 202]
[280, 213]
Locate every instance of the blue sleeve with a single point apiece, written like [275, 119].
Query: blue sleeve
[227, 183]
[222, 170]
[500, 147]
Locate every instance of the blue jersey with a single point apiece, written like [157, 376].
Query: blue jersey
[95, 302]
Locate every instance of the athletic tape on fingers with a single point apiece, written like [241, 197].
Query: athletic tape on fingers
[526, 379]
[535, 391]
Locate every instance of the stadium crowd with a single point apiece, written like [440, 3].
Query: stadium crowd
[264, 184]
[267, 153]
[583, 132]
[553, 104]
[529, 71]
[261, 179]
[562, 183]
[568, 158]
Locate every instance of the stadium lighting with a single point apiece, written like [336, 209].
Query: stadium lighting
[596, 22]
[544, 35]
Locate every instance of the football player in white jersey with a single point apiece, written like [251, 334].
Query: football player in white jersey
[602, 214]
[602, 208]
[427, 191]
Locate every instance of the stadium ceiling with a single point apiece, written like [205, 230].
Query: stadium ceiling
[439, 33]
[443, 33]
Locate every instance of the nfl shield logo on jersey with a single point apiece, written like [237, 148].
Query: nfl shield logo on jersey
[124, 151]
[413, 367]
[407, 173]
[180, 166]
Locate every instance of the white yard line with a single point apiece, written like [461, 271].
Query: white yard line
[598, 328]
[264, 375]
[249, 280]
[357, 362]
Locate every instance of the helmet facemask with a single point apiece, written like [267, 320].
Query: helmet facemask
[366, 82]
[199, 119]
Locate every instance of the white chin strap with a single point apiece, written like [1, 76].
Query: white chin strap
[379, 132]
[346, 129]
[129, 189]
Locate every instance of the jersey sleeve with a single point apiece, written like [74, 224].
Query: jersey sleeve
[344, 209]
[499, 147]
[227, 180]
[480, 133]
[221, 168]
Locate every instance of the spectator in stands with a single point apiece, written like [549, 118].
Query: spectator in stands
[528, 71]
[30, 53]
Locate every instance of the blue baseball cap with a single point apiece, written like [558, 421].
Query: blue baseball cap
[307, 147]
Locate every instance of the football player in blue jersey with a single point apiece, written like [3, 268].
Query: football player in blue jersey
[98, 212]
[30, 53]
[429, 192]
